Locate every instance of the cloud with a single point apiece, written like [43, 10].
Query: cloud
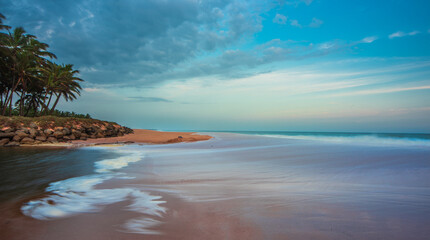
[369, 39]
[384, 90]
[150, 99]
[294, 2]
[316, 23]
[129, 41]
[280, 19]
[295, 23]
[402, 34]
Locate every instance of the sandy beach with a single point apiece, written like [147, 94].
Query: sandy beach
[148, 137]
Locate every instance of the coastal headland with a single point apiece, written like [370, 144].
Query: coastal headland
[58, 131]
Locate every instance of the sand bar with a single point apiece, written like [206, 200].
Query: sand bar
[148, 137]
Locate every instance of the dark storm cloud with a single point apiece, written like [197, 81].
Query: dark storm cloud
[127, 41]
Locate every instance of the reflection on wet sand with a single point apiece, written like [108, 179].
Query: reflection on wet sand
[249, 187]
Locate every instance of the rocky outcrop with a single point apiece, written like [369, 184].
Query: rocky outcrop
[35, 134]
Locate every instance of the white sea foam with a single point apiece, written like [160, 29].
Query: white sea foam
[80, 195]
[368, 140]
[141, 225]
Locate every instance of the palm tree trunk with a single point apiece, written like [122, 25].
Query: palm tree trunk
[55, 104]
[47, 105]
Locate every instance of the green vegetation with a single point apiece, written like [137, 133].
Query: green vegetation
[30, 83]
[47, 121]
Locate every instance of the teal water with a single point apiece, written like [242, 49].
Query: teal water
[367, 138]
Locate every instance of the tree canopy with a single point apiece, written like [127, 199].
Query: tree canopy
[30, 82]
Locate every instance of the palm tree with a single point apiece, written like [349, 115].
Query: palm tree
[26, 72]
[68, 86]
[25, 53]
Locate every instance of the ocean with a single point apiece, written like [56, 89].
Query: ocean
[239, 185]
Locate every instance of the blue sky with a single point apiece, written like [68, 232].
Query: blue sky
[297, 65]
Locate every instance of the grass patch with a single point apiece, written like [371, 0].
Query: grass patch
[47, 121]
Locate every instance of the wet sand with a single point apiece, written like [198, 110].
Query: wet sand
[249, 187]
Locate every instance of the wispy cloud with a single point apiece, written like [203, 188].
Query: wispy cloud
[295, 23]
[316, 23]
[280, 19]
[382, 91]
[369, 39]
[402, 34]
[149, 99]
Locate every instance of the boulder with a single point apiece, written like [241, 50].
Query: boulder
[67, 138]
[4, 141]
[100, 135]
[7, 135]
[7, 130]
[24, 130]
[52, 140]
[33, 125]
[58, 134]
[17, 138]
[41, 138]
[83, 138]
[48, 132]
[33, 133]
[76, 133]
[22, 134]
[27, 140]
[66, 131]
[12, 144]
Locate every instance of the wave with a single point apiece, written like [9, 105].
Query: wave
[360, 139]
[79, 195]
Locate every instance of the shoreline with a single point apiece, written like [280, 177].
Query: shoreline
[139, 136]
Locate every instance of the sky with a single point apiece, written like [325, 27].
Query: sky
[286, 65]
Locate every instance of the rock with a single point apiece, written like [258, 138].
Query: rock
[66, 131]
[7, 130]
[48, 132]
[37, 142]
[76, 133]
[52, 140]
[33, 133]
[17, 138]
[58, 134]
[66, 138]
[7, 135]
[22, 134]
[4, 141]
[12, 144]
[84, 135]
[100, 135]
[83, 138]
[180, 137]
[24, 130]
[41, 138]
[72, 137]
[33, 125]
[27, 140]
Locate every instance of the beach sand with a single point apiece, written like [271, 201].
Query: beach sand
[148, 137]
[244, 187]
